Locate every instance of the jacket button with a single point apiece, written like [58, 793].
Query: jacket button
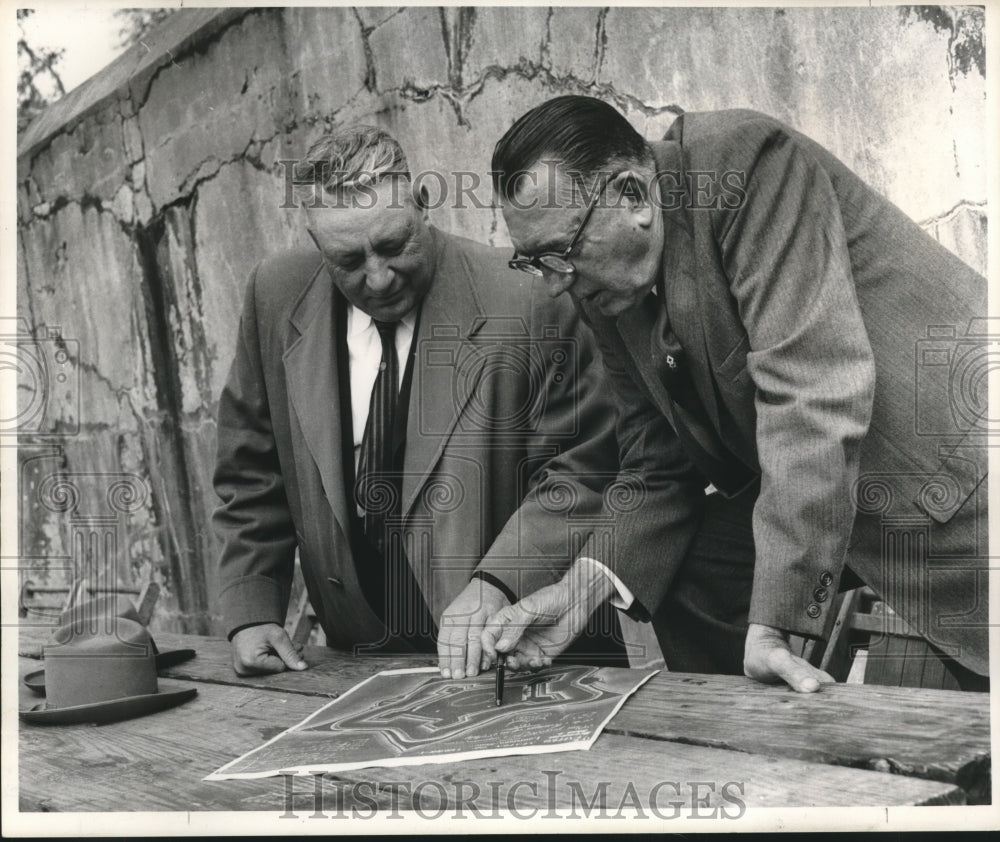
[333, 580]
[813, 610]
[820, 594]
[825, 579]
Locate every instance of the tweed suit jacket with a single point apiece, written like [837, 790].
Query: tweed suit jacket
[800, 307]
[509, 441]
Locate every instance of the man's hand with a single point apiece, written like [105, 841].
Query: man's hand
[458, 645]
[768, 658]
[540, 626]
[263, 649]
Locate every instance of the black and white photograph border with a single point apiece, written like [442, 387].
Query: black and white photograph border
[155, 168]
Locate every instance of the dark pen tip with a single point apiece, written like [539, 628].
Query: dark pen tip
[501, 665]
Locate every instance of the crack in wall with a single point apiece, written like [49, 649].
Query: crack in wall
[459, 98]
[25, 267]
[389, 17]
[952, 212]
[46, 212]
[545, 50]
[196, 47]
[197, 357]
[186, 566]
[82, 365]
[189, 189]
[457, 28]
[600, 41]
[370, 80]
[250, 154]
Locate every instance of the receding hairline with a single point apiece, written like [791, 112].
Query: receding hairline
[364, 196]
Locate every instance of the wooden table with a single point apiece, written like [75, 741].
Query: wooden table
[711, 743]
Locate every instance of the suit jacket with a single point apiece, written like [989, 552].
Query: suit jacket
[509, 442]
[817, 335]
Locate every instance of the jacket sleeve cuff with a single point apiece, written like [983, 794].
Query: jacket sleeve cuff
[794, 622]
[251, 601]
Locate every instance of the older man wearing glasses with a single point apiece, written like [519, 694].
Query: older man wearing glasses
[783, 337]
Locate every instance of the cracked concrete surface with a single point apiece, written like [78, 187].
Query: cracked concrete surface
[146, 196]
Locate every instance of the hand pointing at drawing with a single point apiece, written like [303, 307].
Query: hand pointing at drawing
[539, 627]
[460, 627]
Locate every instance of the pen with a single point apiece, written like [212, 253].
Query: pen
[501, 666]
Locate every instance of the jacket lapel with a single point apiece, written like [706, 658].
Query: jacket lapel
[702, 318]
[701, 442]
[446, 368]
[634, 326]
[680, 291]
[735, 411]
[311, 373]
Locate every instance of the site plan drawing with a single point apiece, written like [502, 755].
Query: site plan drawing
[412, 716]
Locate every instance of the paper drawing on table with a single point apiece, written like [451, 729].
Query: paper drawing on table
[407, 717]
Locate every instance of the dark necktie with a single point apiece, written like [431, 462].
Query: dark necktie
[376, 491]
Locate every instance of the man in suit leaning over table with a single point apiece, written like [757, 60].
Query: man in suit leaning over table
[424, 425]
[776, 328]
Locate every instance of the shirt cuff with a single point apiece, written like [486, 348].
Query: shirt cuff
[624, 598]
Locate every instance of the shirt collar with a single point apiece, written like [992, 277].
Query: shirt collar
[358, 321]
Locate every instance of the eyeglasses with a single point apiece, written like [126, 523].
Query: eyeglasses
[556, 261]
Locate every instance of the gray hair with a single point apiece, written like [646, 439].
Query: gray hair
[353, 155]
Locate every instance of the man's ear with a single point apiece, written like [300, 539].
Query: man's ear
[633, 192]
[420, 197]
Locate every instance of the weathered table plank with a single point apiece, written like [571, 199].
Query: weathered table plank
[936, 734]
[158, 762]
[933, 734]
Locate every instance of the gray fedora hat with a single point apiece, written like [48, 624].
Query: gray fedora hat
[101, 676]
[91, 615]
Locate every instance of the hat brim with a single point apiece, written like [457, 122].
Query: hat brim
[35, 681]
[102, 713]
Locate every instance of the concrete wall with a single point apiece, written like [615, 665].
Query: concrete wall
[147, 195]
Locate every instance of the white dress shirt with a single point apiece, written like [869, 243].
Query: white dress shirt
[364, 352]
[624, 598]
